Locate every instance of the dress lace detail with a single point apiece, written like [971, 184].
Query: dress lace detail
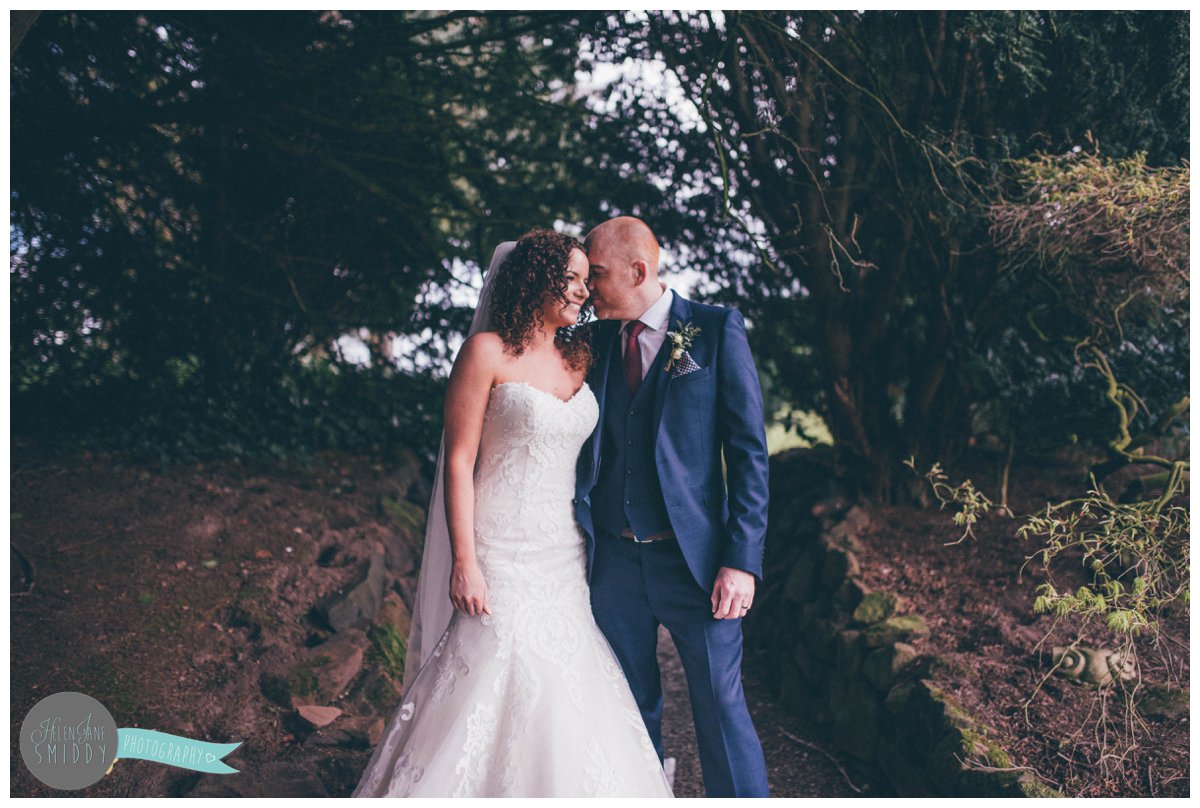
[528, 701]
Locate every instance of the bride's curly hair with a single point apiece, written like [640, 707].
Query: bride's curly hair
[535, 268]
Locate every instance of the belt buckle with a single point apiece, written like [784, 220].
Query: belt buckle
[636, 540]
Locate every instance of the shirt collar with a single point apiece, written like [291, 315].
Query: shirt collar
[658, 314]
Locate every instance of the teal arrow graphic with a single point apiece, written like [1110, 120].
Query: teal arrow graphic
[174, 750]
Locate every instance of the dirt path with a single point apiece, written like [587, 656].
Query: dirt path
[793, 769]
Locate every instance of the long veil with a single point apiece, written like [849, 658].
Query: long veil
[431, 609]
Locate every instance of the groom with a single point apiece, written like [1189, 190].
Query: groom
[672, 540]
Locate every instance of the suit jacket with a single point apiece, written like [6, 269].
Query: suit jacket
[720, 520]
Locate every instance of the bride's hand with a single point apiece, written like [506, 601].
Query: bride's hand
[468, 590]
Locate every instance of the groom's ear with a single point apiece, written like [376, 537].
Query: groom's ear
[639, 272]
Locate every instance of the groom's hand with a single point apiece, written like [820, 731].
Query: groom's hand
[733, 590]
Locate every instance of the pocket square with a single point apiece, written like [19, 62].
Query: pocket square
[684, 365]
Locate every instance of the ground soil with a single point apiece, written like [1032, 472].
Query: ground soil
[977, 597]
[125, 578]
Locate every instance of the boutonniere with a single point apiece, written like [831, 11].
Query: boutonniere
[681, 340]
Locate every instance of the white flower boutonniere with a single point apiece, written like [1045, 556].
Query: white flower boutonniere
[681, 340]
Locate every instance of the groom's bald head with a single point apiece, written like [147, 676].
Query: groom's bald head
[623, 268]
[627, 237]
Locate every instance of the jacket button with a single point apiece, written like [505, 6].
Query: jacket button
[575, 502]
[629, 502]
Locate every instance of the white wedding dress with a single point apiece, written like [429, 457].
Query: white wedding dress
[529, 700]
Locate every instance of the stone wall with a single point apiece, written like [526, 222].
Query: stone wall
[853, 659]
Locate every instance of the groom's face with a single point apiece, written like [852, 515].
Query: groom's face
[611, 281]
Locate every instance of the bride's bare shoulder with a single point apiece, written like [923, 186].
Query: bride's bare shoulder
[481, 352]
[484, 344]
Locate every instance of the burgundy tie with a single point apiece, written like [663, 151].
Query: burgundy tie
[633, 356]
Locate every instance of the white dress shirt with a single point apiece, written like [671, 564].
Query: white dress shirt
[657, 320]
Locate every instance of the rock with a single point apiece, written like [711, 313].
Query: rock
[814, 672]
[408, 522]
[974, 782]
[333, 737]
[808, 613]
[394, 613]
[901, 628]
[1160, 701]
[855, 718]
[318, 716]
[876, 607]
[364, 731]
[985, 783]
[906, 775]
[282, 778]
[837, 564]
[374, 695]
[850, 593]
[849, 653]
[881, 665]
[923, 714]
[1031, 786]
[794, 692]
[359, 600]
[961, 751]
[322, 674]
[845, 534]
[820, 639]
[858, 520]
[801, 582]
[926, 666]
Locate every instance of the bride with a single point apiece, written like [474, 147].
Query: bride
[510, 688]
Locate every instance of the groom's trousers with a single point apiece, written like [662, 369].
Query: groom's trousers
[635, 587]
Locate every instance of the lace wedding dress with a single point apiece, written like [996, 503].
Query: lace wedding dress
[529, 700]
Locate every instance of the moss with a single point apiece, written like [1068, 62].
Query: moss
[875, 606]
[303, 680]
[388, 649]
[275, 688]
[380, 695]
[408, 518]
[977, 743]
[1033, 787]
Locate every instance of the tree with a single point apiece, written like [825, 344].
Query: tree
[852, 157]
[209, 200]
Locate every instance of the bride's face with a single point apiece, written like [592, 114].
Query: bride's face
[554, 311]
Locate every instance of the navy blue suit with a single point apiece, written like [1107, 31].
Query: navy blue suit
[654, 463]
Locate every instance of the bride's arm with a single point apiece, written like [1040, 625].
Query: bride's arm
[466, 401]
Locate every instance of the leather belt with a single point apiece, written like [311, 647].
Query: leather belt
[628, 533]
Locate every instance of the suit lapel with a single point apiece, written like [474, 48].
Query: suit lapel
[681, 311]
[605, 342]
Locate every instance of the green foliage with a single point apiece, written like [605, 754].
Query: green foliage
[1137, 554]
[1109, 236]
[972, 503]
[837, 168]
[204, 203]
[317, 405]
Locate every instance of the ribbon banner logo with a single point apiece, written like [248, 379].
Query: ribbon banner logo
[70, 741]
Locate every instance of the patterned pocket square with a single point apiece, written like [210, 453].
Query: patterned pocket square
[683, 366]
